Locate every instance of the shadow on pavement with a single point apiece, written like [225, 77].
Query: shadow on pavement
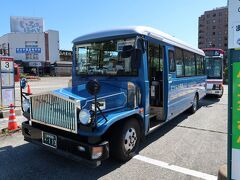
[208, 101]
[32, 162]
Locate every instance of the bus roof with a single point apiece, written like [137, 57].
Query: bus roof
[213, 49]
[141, 30]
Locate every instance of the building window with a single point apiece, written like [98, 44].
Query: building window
[214, 21]
[214, 15]
[213, 33]
[214, 27]
[31, 55]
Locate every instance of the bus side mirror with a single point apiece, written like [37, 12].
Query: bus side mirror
[126, 51]
[136, 57]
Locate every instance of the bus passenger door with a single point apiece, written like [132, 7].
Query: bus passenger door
[155, 69]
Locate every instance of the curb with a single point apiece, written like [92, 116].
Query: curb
[222, 173]
[6, 132]
[30, 80]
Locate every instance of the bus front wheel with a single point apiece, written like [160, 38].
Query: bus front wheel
[125, 140]
[194, 106]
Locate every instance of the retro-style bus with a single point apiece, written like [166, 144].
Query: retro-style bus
[214, 69]
[126, 83]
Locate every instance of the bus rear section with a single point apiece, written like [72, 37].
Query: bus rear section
[214, 70]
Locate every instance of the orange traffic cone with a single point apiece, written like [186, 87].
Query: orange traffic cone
[12, 122]
[29, 89]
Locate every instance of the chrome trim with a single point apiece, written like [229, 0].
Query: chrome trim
[99, 98]
[40, 113]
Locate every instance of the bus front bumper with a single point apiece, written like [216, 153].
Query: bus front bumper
[80, 151]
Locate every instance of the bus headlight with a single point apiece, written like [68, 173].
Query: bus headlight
[26, 105]
[84, 116]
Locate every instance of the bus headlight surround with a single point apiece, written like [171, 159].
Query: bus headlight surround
[85, 116]
[26, 105]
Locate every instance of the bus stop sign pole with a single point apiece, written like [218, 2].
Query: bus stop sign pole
[234, 89]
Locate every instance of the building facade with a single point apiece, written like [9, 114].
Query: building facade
[213, 29]
[29, 45]
[65, 55]
[31, 50]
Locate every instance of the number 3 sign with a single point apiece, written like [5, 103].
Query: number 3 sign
[7, 66]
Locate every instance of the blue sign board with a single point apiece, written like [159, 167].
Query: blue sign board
[28, 50]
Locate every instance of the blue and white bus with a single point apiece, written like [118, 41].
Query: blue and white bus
[126, 82]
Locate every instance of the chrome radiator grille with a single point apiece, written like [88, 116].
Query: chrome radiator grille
[54, 111]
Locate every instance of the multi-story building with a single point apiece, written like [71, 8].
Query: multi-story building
[65, 55]
[213, 29]
[30, 46]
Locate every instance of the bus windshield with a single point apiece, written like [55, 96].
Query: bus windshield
[214, 68]
[104, 59]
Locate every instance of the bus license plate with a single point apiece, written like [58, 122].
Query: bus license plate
[49, 140]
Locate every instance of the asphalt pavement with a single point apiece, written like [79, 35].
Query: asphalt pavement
[188, 147]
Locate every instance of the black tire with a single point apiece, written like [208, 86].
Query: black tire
[194, 106]
[219, 96]
[118, 143]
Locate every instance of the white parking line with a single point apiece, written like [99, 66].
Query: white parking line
[175, 168]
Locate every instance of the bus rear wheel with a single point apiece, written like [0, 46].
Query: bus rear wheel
[125, 140]
[194, 106]
[220, 95]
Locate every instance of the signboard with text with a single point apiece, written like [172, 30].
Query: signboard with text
[7, 89]
[234, 89]
[28, 50]
[233, 24]
[26, 24]
[236, 121]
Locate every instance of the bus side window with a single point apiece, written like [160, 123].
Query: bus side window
[171, 60]
[172, 63]
[179, 62]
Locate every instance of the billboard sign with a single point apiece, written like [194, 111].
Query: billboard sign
[234, 89]
[28, 50]
[26, 24]
[233, 24]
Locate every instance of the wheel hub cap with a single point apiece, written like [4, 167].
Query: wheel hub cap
[130, 139]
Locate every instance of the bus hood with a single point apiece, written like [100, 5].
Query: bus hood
[110, 97]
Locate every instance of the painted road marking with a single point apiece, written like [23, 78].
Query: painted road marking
[175, 168]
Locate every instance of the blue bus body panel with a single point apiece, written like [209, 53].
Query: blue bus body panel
[182, 92]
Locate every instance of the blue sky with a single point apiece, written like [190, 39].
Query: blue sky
[73, 18]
